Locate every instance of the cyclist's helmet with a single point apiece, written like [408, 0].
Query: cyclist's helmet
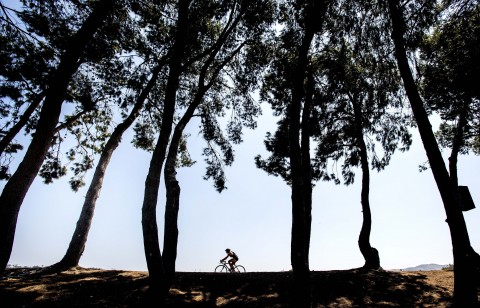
[227, 250]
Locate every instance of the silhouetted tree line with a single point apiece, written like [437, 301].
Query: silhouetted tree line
[348, 80]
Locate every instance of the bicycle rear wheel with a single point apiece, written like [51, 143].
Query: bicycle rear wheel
[239, 269]
[221, 269]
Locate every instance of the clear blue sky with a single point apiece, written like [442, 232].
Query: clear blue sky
[252, 217]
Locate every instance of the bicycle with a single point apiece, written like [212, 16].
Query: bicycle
[224, 267]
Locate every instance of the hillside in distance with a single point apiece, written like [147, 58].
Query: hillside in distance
[426, 267]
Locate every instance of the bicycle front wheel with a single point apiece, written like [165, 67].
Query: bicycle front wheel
[239, 269]
[221, 269]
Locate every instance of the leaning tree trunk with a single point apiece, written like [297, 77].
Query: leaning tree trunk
[158, 284]
[10, 135]
[370, 254]
[80, 235]
[16, 188]
[465, 290]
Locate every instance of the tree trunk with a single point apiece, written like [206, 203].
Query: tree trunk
[80, 235]
[157, 279]
[458, 141]
[16, 188]
[172, 205]
[307, 170]
[299, 257]
[299, 164]
[7, 139]
[170, 239]
[465, 291]
[370, 254]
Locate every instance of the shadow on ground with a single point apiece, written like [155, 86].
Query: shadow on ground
[109, 288]
[349, 288]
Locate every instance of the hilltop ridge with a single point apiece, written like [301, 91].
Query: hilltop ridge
[426, 267]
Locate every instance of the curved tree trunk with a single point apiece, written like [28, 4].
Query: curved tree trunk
[16, 188]
[370, 254]
[170, 239]
[172, 205]
[80, 235]
[158, 285]
[170, 236]
[465, 291]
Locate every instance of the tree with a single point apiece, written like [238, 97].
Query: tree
[235, 42]
[299, 161]
[113, 74]
[449, 68]
[362, 103]
[158, 284]
[301, 21]
[32, 55]
[79, 237]
[16, 188]
[465, 291]
[353, 93]
[26, 61]
[361, 100]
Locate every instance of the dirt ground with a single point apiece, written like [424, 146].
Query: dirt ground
[82, 287]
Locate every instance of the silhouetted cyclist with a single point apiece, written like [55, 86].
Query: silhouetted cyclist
[233, 258]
